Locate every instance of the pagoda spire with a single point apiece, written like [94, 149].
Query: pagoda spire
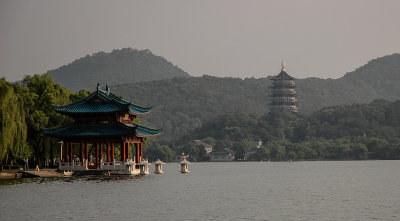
[283, 66]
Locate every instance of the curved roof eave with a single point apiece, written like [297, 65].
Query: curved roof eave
[118, 105]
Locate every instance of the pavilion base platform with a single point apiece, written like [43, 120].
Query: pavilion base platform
[105, 168]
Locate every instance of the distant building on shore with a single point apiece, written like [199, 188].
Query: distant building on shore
[283, 92]
[179, 157]
[221, 156]
[207, 147]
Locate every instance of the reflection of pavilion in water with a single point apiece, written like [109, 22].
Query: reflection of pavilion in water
[103, 131]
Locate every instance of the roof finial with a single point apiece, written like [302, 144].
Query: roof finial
[98, 87]
[283, 66]
[107, 89]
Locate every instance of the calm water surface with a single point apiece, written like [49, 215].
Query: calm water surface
[338, 190]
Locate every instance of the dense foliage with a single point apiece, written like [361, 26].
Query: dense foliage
[13, 126]
[24, 111]
[182, 104]
[120, 66]
[369, 131]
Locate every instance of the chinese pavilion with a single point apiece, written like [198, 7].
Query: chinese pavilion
[283, 92]
[103, 128]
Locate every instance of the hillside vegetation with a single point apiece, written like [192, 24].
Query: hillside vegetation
[358, 131]
[120, 66]
[182, 104]
[350, 132]
[24, 110]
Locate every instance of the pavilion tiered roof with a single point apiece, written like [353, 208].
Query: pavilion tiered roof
[101, 102]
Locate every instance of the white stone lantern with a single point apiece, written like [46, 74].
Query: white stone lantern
[184, 166]
[158, 167]
[144, 167]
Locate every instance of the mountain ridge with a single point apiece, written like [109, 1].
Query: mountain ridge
[119, 66]
[190, 102]
[182, 103]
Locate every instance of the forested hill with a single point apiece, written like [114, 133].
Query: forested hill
[358, 131]
[182, 104]
[378, 79]
[120, 66]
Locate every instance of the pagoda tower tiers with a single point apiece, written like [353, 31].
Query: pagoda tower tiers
[103, 135]
[283, 92]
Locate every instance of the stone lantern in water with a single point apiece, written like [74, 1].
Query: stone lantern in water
[184, 166]
[158, 167]
[144, 167]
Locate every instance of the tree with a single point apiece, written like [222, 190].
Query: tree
[359, 151]
[12, 123]
[161, 152]
[241, 148]
[39, 96]
[262, 153]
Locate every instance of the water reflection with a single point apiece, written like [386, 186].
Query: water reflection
[88, 179]
[332, 190]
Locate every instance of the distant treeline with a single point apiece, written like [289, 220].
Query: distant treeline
[24, 110]
[367, 131]
[351, 132]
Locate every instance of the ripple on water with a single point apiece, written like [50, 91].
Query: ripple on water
[351, 190]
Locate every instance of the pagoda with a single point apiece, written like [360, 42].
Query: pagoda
[283, 92]
[103, 129]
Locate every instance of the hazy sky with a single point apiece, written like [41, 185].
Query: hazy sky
[222, 38]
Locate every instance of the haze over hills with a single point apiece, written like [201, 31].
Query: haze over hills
[182, 104]
[120, 66]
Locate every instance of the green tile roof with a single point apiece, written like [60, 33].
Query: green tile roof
[283, 76]
[101, 102]
[142, 131]
[101, 130]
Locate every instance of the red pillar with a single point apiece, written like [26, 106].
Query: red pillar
[101, 151]
[63, 151]
[112, 153]
[137, 157]
[82, 148]
[71, 149]
[122, 151]
[127, 150]
[66, 158]
[97, 155]
[108, 151]
[87, 151]
[141, 152]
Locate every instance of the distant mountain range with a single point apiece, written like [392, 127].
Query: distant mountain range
[120, 66]
[182, 103]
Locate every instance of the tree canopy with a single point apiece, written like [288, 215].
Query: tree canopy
[368, 131]
[25, 110]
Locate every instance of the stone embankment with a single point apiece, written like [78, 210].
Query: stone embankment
[31, 173]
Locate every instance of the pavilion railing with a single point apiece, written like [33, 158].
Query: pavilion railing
[86, 165]
[73, 166]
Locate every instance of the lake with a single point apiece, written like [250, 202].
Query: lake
[306, 190]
